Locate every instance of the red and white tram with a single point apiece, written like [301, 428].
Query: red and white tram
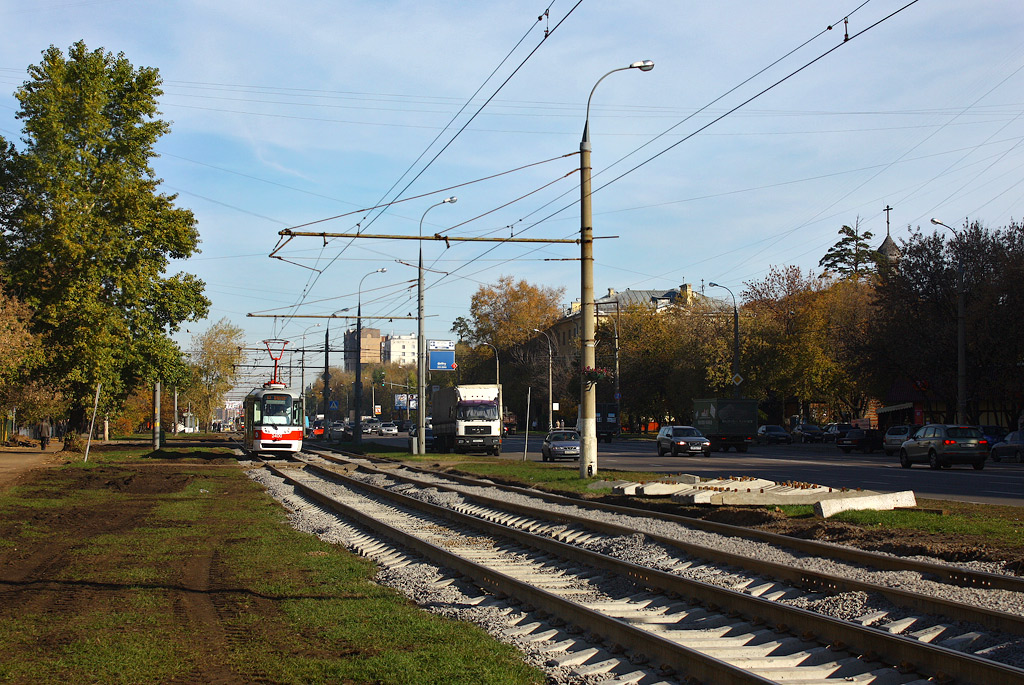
[274, 418]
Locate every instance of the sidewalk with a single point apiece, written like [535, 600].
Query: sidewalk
[15, 461]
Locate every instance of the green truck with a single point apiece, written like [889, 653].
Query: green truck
[726, 422]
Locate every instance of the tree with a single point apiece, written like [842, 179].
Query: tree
[215, 356]
[87, 237]
[851, 256]
[913, 332]
[505, 314]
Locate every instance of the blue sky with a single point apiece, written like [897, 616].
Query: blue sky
[287, 113]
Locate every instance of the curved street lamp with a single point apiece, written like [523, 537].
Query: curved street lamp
[551, 402]
[735, 342]
[588, 393]
[961, 332]
[421, 344]
[357, 433]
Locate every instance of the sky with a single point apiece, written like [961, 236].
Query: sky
[758, 134]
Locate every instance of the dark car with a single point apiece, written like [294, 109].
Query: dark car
[1012, 447]
[834, 431]
[682, 440]
[895, 436]
[560, 444]
[808, 432]
[866, 440]
[940, 446]
[768, 435]
[993, 434]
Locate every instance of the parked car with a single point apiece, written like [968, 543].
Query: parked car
[866, 440]
[833, 431]
[682, 440]
[895, 436]
[941, 445]
[317, 429]
[560, 444]
[387, 428]
[1011, 447]
[404, 425]
[428, 437]
[767, 435]
[993, 434]
[370, 426]
[808, 432]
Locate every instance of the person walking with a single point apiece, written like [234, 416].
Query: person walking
[44, 434]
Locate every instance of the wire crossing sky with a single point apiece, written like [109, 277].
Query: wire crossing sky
[287, 115]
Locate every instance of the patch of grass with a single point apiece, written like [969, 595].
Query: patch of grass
[289, 607]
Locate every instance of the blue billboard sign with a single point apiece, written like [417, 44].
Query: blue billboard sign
[442, 360]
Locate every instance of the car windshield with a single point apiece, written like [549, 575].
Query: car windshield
[963, 432]
[685, 433]
[563, 437]
[774, 429]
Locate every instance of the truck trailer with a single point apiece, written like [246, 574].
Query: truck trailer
[466, 418]
[726, 422]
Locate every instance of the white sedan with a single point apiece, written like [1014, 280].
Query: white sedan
[387, 429]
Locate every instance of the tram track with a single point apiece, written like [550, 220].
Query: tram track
[772, 640]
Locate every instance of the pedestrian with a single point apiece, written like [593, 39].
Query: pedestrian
[44, 434]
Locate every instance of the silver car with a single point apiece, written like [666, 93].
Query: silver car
[562, 444]
[941, 445]
[682, 440]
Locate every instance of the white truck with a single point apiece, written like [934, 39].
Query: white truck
[466, 418]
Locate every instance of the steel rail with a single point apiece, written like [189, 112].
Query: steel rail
[668, 653]
[807, 579]
[952, 575]
[907, 654]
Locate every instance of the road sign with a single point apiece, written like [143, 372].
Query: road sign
[737, 379]
[618, 396]
[441, 345]
[442, 360]
[333, 405]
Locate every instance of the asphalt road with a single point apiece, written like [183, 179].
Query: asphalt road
[1000, 483]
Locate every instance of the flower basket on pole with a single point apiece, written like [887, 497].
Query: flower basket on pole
[592, 375]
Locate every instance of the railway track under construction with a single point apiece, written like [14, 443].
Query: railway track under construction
[623, 595]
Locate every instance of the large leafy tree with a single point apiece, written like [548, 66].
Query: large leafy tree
[87, 237]
[505, 313]
[914, 327]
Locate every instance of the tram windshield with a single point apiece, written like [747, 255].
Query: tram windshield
[277, 410]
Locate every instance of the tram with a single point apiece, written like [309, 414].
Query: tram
[274, 417]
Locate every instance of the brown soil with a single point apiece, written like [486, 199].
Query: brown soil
[43, 577]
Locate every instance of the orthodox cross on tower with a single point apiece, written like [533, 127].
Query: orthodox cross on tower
[887, 210]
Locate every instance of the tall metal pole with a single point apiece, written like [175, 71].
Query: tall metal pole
[961, 333]
[327, 376]
[421, 343]
[156, 415]
[358, 431]
[588, 393]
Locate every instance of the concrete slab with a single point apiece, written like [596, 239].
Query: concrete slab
[881, 501]
[626, 488]
[602, 484]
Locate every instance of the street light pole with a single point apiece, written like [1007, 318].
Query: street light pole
[357, 433]
[735, 341]
[551, 400]
[588, 393]
[961, 332]
[421, 344]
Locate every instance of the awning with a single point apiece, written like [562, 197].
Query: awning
[895, 407]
